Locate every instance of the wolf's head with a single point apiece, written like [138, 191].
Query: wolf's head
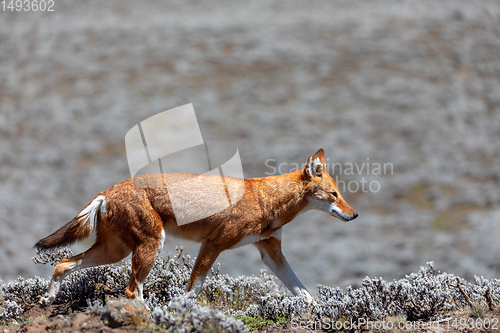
[322, 192]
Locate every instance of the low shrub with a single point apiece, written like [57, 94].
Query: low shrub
[257, 300]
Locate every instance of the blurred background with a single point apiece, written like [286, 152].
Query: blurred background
[411, 84]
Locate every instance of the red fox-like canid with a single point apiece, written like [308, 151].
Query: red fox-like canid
[129, 218]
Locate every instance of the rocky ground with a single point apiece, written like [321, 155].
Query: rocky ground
[414, 85]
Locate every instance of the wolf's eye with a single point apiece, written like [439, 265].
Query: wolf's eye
[335, 194]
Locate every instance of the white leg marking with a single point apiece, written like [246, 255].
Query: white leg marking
[52, 292]
[196, 288]
[162, 241]
[140, 296]
[55, 284]
[285, 273]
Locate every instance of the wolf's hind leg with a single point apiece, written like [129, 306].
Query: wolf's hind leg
[106, 250]
[143, 258]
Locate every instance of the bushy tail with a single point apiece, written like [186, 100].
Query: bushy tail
[79, 228]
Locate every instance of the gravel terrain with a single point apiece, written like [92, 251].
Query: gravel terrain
[411, 86]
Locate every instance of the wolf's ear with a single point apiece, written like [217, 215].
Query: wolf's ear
[321, 155]
[315, 165]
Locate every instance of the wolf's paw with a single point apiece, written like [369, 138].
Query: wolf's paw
[191, 294]
[46, 301]
[308, 299]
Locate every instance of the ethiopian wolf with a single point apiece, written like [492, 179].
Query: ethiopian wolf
[129, 218]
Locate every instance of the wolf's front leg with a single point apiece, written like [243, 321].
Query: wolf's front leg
[270, 252]
[206, 258]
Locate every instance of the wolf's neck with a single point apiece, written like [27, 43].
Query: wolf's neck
[282, 197]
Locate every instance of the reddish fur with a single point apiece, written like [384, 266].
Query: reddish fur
[135, 217]
[73, 231]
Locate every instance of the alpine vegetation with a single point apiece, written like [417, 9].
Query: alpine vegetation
[426, 295]
[185, 315]
[226, 303]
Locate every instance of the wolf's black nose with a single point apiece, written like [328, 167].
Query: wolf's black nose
[354, 215]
